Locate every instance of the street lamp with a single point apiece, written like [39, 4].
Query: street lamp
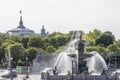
[11, 59]
[72, 68]
[27, 67]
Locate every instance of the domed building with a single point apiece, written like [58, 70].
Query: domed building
[21, 30]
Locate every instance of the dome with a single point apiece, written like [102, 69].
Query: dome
[21, 30]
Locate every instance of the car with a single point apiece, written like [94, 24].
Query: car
[116, 72]
[46, 71]
[7, 74]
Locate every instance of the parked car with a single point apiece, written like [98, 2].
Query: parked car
[116, 72]
[46, 71]
[7, 74]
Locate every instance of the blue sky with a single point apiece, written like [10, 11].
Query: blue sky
[62, 15]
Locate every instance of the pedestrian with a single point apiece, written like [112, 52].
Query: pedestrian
[55, 71]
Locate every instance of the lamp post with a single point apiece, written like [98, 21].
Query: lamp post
[72, 68]
[27, 67]
[115, 61]
[11, 59]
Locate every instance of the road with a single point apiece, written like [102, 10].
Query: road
[31, 77]
[23, 77]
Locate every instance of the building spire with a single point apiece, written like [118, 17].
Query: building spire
[20, 12]
[21, 22]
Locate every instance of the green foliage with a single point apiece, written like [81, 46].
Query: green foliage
[110, 33]
[101, 49]
[46, 43]
[58, 39]
[118, 42]
[62, 48]
[31, 54]
[24, 41]
[54, 42]
[91, 48]
[20, 62]
[55, 34]
[4, 36]
[95, 48]
[50, 49]
[2, 55]
[46, 40]
[113, 48]
[1, 42]
[35, 41]
[92, 36]
[28, 46]
[105, 39]
[17, 51]
[9, 42]
[62, 40]
[15, 38]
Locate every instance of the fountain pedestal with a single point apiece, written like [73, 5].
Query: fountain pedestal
[82, 56]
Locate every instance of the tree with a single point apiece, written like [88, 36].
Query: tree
[1, 42]
[58, 39]
[17, 51]
[54, 42]
[15, 38]
[91, 48]
[50, 49]
[31, 54]
[55, 33]
[110, 33]
[95, 48]
[62, 40]
[20, 62]
[2, 55]
[24, 41]
[4, 36]
[92, 36]
[118, 42]
[101, 49]
[105, 39]
[46, 43]
[35, 41]
[113, 48]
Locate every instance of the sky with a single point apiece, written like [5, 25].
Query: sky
[62, 15]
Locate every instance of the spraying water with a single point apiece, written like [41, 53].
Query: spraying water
[96, 63]
[63, 63]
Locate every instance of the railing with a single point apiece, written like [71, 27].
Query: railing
[82, 77]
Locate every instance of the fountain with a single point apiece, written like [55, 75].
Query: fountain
[75, 64]
[82, 62]
[96, 63]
